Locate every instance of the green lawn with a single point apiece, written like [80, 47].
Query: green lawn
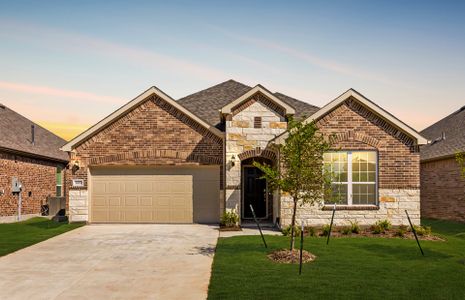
[348, 268]
[15, 236]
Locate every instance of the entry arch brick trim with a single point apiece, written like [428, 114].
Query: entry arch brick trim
[258, 152]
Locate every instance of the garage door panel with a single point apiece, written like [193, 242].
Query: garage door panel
[146, 201]
[100, 201]
[131, 201]
[99, 187]
[130, 187]
[114, 187]
[158, 195]
[114, 201]
[132, 216]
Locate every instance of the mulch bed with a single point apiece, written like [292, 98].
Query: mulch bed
[285, 256]
[230, 228]
[388, 234]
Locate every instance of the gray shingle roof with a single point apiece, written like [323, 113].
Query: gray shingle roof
[15, 134]
[453, 127]
[207, 103]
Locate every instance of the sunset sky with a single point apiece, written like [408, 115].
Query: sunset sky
[66, 65]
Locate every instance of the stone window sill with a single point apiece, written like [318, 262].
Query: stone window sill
[351, 207]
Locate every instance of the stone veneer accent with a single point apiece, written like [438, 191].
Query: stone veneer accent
[392, 206]
[244, 141]
[152, 134]
[78, 206]
[442, 190]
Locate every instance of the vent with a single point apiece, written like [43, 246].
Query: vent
[2, 106]
[33, 135]
[257, 122]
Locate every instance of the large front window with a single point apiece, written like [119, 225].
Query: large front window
[354, 177]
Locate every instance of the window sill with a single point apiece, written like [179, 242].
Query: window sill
[351, 207]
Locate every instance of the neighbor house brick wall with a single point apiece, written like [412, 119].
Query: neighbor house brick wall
[37, 176]
[351, 126]
[442, 190]
[152, 134]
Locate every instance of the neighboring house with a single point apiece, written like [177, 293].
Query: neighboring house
[442, 187]
[165, 161]
[31, 154]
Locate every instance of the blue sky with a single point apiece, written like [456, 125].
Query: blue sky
[67, 65]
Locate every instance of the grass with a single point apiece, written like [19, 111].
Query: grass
[347, 268]
[15, 236]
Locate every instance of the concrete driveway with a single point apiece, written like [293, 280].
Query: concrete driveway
[113, 262]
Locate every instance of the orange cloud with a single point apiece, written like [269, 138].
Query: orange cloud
[49, 91]
[63, 130]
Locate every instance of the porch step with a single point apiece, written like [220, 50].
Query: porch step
[267, 225]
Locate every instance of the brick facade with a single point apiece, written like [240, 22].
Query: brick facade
[37, 176]
[442, 190]
[154, 133]
[350, 126]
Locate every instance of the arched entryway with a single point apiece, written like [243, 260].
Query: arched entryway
[255, 190]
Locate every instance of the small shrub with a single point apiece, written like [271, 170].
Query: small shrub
[325, 230]
[287, 230]
[422, 230]
[377, 229]
[400, 232]
[346, 230]
[229, 219]
[310, 231]
[385, 224]
[354, 227]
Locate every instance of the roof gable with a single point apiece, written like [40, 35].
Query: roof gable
[227, 109]
[207, 103]
[16, 136]
[128, 107]
[353, 94]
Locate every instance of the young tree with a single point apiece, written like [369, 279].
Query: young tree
[299, 171]
[460, 157]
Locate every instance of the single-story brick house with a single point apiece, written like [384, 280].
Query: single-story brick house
[31, 154]
[165, 161]
[442, 187]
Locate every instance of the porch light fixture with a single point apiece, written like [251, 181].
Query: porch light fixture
[233, 160]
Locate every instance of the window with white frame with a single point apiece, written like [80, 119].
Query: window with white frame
[354, 177]
[59, 181]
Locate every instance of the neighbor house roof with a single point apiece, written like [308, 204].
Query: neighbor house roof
[351, 93]
[16, 136]
[208, 103]
[447, 137]
[128, 107]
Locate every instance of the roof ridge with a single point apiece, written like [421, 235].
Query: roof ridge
[214, 86]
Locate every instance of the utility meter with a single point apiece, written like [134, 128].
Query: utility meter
[16, 185]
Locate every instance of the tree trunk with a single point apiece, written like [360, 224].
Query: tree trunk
[294, 210]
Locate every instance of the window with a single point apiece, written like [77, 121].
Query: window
[257, 122]
[354, 177]
[59, 182]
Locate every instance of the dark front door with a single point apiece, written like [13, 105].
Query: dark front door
[254, 193]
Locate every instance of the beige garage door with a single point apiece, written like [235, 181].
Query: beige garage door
[155, 195]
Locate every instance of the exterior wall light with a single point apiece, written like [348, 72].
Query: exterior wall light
[233, 160]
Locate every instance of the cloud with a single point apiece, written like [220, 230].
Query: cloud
[56, 92]
[75, 42]
[307, 57]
